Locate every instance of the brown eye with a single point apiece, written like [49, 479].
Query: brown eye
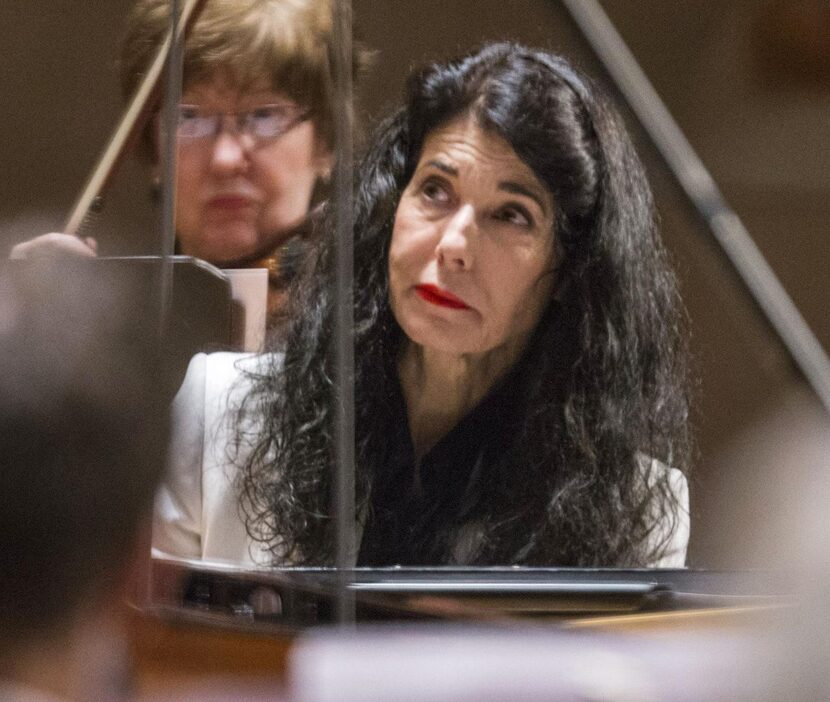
[514, 214]
[435, 191]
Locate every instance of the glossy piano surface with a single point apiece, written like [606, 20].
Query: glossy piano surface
[295, 598]
[219, 620]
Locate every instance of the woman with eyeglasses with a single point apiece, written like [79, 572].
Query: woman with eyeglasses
[255, 129]
[520, 379]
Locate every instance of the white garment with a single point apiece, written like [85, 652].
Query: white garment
[675, 554]
[198, 512]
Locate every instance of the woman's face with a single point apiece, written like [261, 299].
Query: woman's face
[471, 258]
[236, 196]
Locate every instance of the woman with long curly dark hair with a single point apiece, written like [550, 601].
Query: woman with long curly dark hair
[520, 376]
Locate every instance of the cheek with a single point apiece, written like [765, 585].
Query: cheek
[538, 294]
[190, 172]
[395, 262]
[398, 245]
[190, 159]
[292, 157]
[523, 287]
[411, 245]
[405, 257]
[288, 179]
[189, 177]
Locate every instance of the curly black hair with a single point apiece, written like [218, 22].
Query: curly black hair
[605, 387]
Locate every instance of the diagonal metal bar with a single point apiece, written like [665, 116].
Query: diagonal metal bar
[699, 186]
[129, 126]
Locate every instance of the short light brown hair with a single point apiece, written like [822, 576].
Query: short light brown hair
[281, 43]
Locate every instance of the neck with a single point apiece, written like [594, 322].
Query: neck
[441, 388]
[301, 230]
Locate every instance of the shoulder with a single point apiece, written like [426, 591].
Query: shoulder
[222, 370]
[218, 387]
[214, 389]
[674, 528]
[216, 374]
[654, 470]
[197, 507]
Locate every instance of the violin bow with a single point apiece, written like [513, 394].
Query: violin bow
[129, 127]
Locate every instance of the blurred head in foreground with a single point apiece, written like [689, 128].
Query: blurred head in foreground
[82, 446]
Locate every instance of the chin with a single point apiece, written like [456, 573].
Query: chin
[460, 348]
[226, 245]
[430, 331]
[454, 340]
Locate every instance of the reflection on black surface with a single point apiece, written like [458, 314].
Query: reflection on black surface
[302, 597]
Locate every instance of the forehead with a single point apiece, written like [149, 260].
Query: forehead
[473, 151]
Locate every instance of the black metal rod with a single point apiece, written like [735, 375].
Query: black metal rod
[344, 502]
[699, 186]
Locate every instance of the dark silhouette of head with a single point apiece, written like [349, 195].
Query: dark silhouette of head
[83, 435]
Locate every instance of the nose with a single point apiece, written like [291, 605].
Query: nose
[230, 153]
[455, 246]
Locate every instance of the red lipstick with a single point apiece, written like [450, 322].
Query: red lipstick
[442, 298]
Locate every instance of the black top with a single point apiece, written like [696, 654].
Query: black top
[409, 527]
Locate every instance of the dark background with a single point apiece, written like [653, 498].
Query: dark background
[747, 80]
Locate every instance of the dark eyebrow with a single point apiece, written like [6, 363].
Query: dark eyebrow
[441, 166]
[519, 189]
[509, 186]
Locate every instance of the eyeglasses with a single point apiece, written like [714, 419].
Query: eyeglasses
[260, 123]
